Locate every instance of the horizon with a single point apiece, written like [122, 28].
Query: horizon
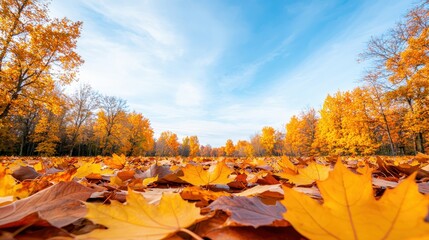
[222, 70]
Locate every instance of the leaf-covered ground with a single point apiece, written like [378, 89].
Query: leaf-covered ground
[223, 198]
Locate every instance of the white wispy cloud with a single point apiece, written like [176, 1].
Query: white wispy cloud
[166, 58]
[333, 66]
[244, 75]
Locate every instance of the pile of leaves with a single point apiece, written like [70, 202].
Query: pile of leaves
[205, 198]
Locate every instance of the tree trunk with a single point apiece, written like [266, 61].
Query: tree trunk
[420, 143]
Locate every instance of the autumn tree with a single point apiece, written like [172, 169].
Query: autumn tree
[36, 52]
[167, 144]
[110, 124]
[24, 125]
[194, 146]
[294, 139]
[255, 141]
[184, 148]
[399, 60]
[82, 104]
[345, 127]
[268, 139]
[279, 146]
[8, 137]
[138, 135]
[206, 151]
[382, 107]
[46, 134]
[229, 148]
[218, 152]
[301, 133]
[244, 148]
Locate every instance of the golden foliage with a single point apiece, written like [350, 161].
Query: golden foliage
[36, 53]
[268, 139]
[229, 148]
[350, 211]
[140, 220]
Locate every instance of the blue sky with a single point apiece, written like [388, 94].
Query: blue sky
[225, 69]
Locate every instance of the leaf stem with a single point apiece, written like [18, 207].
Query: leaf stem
[192, 234]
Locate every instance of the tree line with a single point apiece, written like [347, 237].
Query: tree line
[387, 114]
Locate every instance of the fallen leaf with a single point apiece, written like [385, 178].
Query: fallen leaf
[58, 205]
[286, 165]
[7, 184]
[87, 169]
[115, 162]
[116, 181]
[268, 179]
[197, 176]
[165, 174]
[154, 195]
[137, 219]
[240, 181]
[60, 176]
[307, 175]
[27, 188]
[249, 211]
[39, 167]
[125, 175]
[260, 189]
[204, 197]
[150, 180]
[25, 172]
[350, 211]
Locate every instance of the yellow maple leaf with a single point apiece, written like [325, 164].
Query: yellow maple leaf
[88, 168]
[350, 210]
[137, 219]
[197, 176]
[38, 166]
[149, 180]
[307, 175]
[115, 181]
[286, 165]
[7, 183]
[116, 161]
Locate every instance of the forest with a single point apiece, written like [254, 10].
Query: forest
[85, 166]
[387, 114]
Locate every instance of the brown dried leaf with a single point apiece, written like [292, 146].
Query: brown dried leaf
[268, 180]
[164, 173]
[25, 172]
[249, 211]
[58, 205]
[240, 182]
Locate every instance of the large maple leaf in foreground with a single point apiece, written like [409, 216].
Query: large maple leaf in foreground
[137, 219]
[350, 211]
